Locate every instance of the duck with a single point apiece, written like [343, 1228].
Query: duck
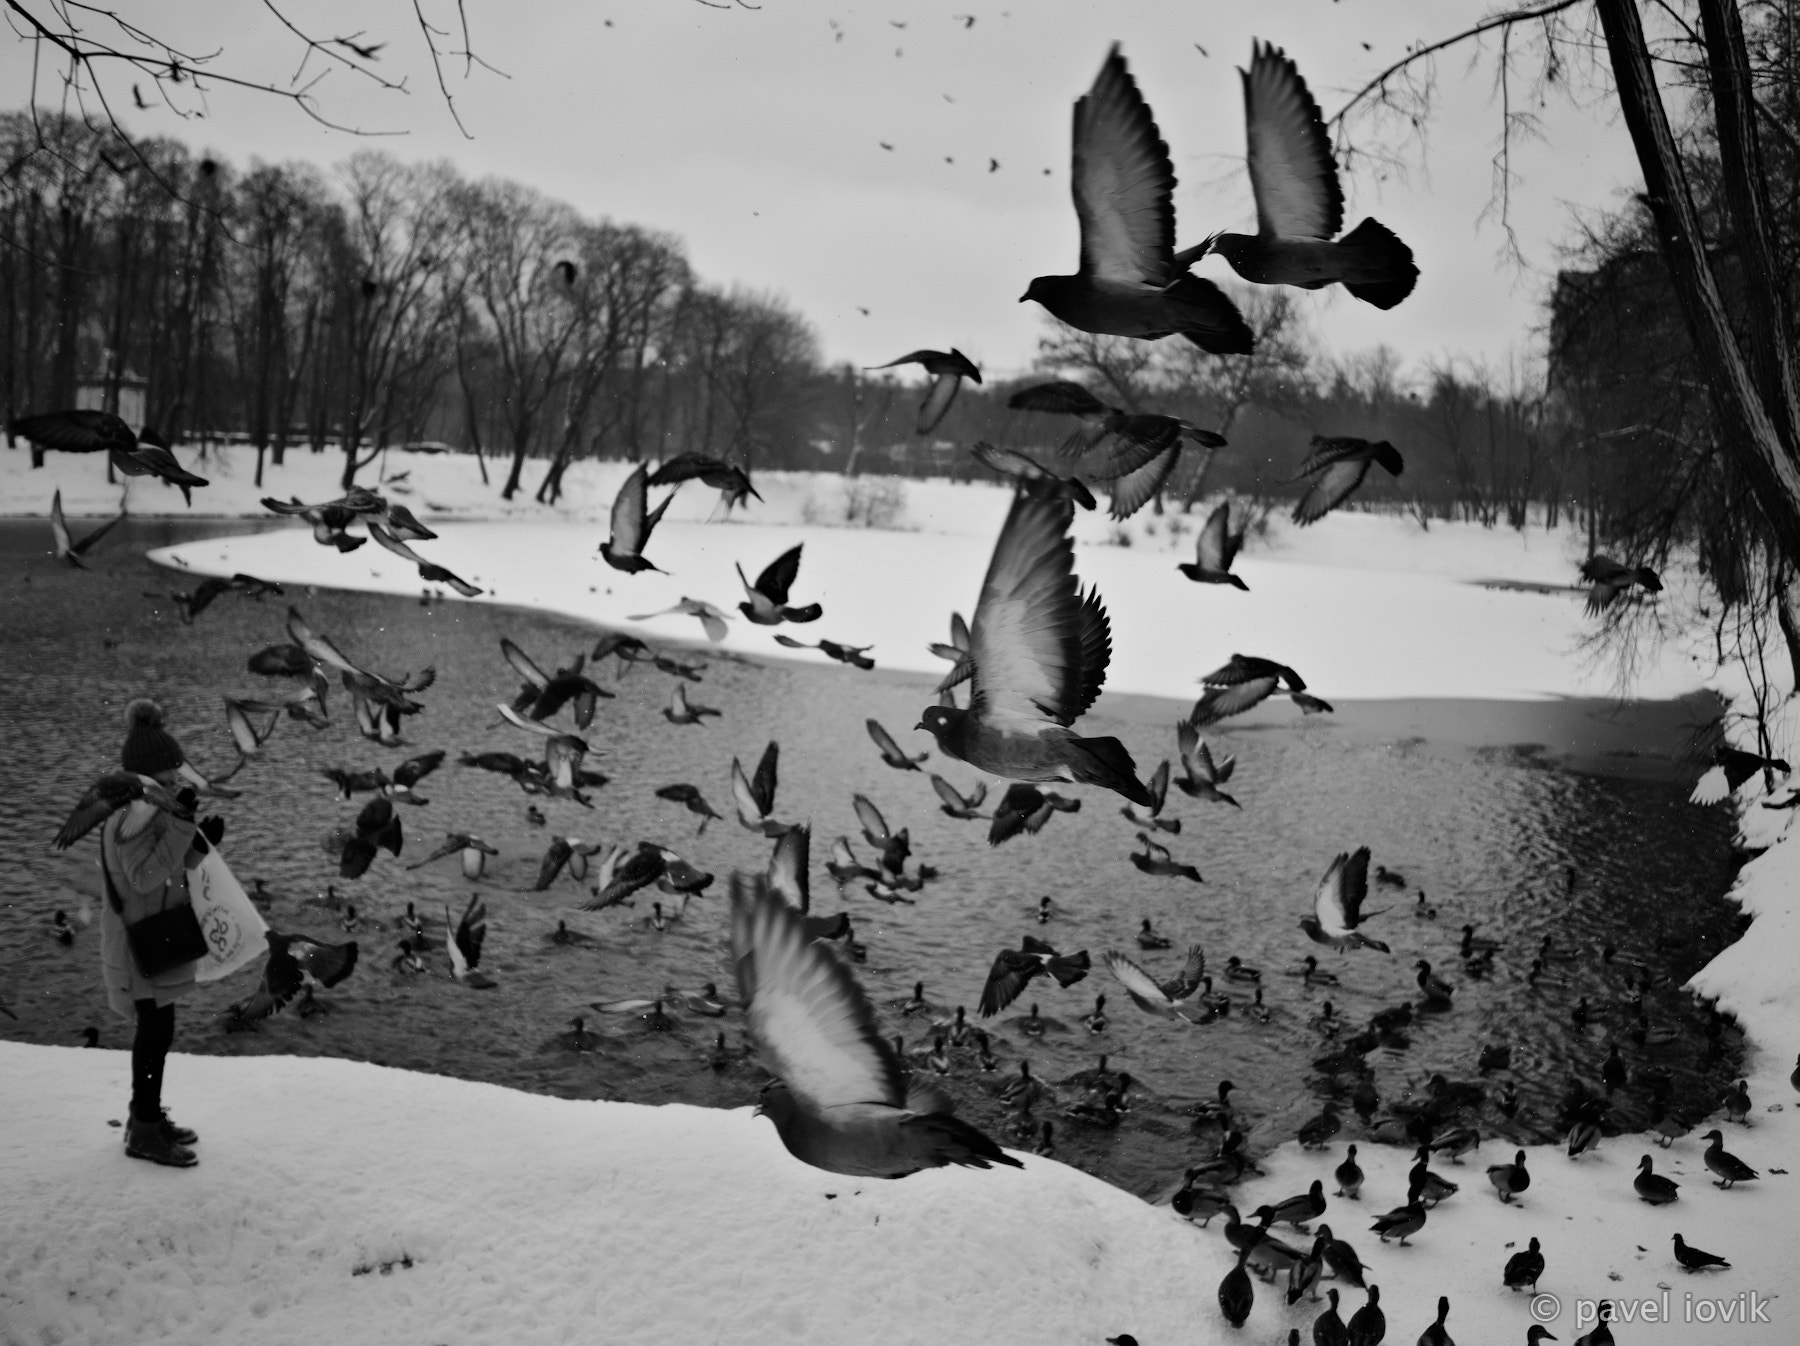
[985, 1060]
[1794, 1079]
[1319, 1131]
[1509, 1179]
[1310, 974]
[1653, 1187]
[1148, 938]
[1523, 1269]
[937, 1060]
[1236, 1295]
[1327, 1022]
[90, 1036]
[408, 960]
[1602, 1333]
[1728, 1166]
[535, 816]
[1403, 1221]
[1215, 1003]
[1045, 1148]
[578, 1039]
[1737, 1100]
[1043, 911]
[1612, 1070]
[1583, 1136]
[1034, 1025]
[1389, 878]
[61, 930]
[1198, 1203]
[1436, 1334]
[956, 1029]
[1096, 1021]
[915, 1003]
[1299, 1210]
[721, 1057]
[1471, 947]
[1368, 1325]
[1435, 990]
[1430, 1186]
[1696, 1259]
[1237, 970]
[1668, 1128]
[1456, 1142]
[1023, 1090]
[1349, 1176]
[1341, 1258]
[704, 1002]
[660, 920]
[1303, 1276]
[1423, 910]
[1218, 1112]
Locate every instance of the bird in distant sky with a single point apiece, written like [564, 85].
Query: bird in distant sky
[1039, 650]
[1129, 282]
[1338, 464]
[947, 369]
[1299, 203]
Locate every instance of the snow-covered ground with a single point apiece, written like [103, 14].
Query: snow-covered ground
[529, 1219]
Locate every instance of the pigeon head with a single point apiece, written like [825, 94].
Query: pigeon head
[941, 722]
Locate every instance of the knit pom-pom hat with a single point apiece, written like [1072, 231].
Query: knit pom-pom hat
[149, 748]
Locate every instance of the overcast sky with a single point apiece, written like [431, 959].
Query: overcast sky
[757, 137]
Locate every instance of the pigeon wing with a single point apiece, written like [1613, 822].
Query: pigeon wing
[1007, 979]
[327, 964]
[938, 398]
[1213, 550]
[1026, 645]
[524, 665]
[394, 544]
[779, 575]
[1331, 489]
[1059, 397]
[1123, 182]
[763, 783]
[813, 1023]
[1223, 702]
[1184, 983]
[1353, 886]
[947, 792]
[1138, 984]
[884, 741]
[630, 528]
[318, 649]
[414, 769]
[870, 817]
[787, 874]
[76, 431]
[1292, 173]
[1137, 488]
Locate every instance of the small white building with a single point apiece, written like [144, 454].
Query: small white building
[97, 394]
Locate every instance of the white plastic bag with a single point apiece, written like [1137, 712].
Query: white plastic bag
[233, 928]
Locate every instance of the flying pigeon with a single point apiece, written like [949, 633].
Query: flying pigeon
[1158, 862]
[857, 656]
[681, 711]
[767, 602]
[1014, 969]
[689, 797]
[296, 962]
[1214, 551]
[754, 796]
[732, 483]
[1337, 905]
[957, 804]
[1039, 651]
[429, 571]
[890, 750]
[1151, 817]
[947, 369]
[1022, 468]
[1167, 998]
[1200, 776]
[632, 524]
[107, 796]
[543, 694]
[1128, 282]
[1339, 463]
[69, 551]
[1611, 580]
[463, 943]
[1025, 808]
[1299, 204]
[840, 1101]
[711, 619]
[473, 850]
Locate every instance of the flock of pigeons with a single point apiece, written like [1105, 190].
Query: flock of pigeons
[1030, 664]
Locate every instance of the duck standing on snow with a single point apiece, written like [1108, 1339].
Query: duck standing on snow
[1368, 1325]
[1437, 1334]
[1509, 1179]
[1728, 1166]
[1349, 1176]
[1653, 1187]
[1403, 1221]
[1523, 1269]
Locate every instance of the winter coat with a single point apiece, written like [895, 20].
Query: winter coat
[146, 859]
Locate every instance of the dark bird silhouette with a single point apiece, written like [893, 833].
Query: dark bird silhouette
[689, 797]
[246, 735]
[1299, 204]
[1731, 768]
[1151, 817]
[955, 803]
[1024, 470]
[844, 866]
[329, 520]
[1610, 581]
[1158, 863]
[1338, 464]
[890, 751]
[622, 874]
[1014, 970]
[1729, 1169]
[282, 661]
[428, 570]
[857, 656]
[1039, 650]
[1201, 776]
[754, 796]
[767, 601]
[1337, 905]
[135, 453]
[632, 524]
[1368, 1325]
[544, 694]
[409, 773]
[1128, 282]
[1696, 1259]
[956, 651]
[1236, 1294]
[1025, 808]
[463, 941]
[682, 711]
[947, 369]
[732, 483]
[840, 1100]
[1214, 551]
[473, 850]
[109, 794]
[1437, 1334]
[68, 550]
[1523, 1269]
[296, 963]
[1508, 1180]
[1243, 683]
[377, 827]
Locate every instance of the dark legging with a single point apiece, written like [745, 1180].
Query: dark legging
[149, 1049]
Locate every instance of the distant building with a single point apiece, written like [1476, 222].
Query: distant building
[125, 399]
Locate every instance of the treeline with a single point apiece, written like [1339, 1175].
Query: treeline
[383, 303]
[380, 303]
